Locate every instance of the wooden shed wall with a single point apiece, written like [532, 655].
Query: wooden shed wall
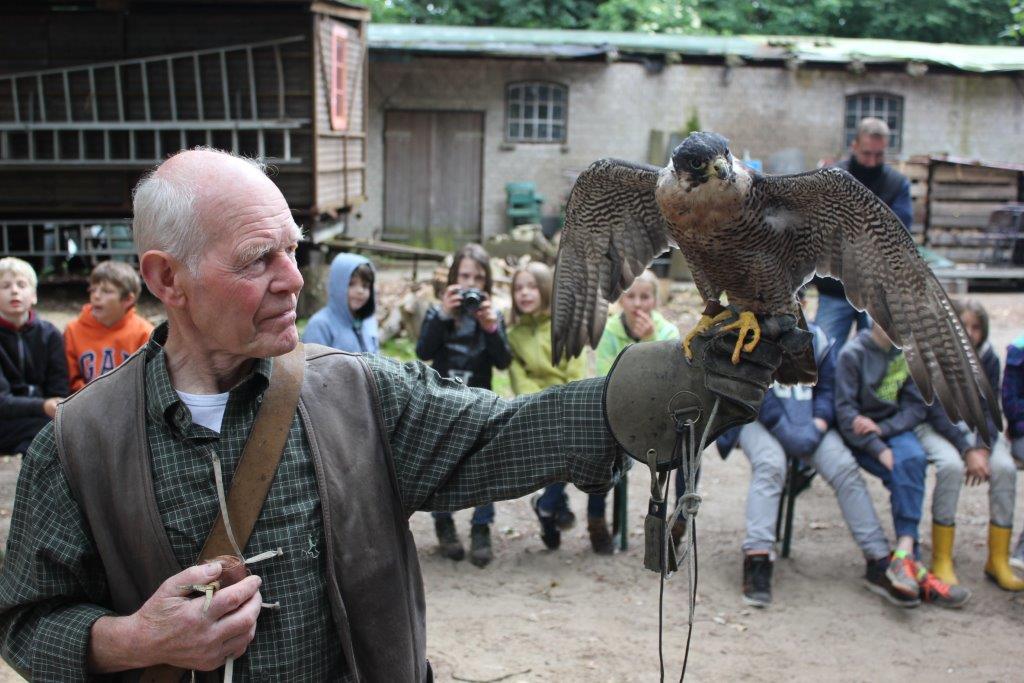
[43, 40]
[340, 155]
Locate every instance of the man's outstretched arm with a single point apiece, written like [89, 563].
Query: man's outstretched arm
[455, 447]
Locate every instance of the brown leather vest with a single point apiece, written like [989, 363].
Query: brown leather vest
[373, 583]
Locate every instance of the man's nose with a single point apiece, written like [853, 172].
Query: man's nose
[287, 278]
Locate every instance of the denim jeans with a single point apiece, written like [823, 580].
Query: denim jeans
[483, 514]
[905, 481]
[835, 316]
[553, 499]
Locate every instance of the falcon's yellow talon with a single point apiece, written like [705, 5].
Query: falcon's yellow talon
[705, 323]
[747, 323]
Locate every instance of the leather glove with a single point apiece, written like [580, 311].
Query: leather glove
[652, 385]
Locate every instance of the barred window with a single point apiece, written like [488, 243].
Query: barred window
[880, 105]
[536, 112]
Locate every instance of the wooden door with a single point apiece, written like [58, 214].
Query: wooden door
[433, 168]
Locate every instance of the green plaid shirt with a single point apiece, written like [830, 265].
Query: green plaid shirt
[454, 447]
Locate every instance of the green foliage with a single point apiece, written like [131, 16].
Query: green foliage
[951, 21]
[1015, 29]
[692, 124]
[399, 348]
[518, 13]
[647, 16]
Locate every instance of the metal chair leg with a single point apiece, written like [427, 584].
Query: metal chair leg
[620, 512]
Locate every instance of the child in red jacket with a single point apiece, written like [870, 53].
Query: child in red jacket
[108, 330]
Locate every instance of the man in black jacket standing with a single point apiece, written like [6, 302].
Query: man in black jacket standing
[33, 368]
[867, 164]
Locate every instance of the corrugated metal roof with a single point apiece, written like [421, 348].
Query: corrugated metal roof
[568, 44]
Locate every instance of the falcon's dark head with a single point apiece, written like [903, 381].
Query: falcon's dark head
[701, 156]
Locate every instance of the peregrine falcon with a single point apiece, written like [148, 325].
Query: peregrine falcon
[758, 239]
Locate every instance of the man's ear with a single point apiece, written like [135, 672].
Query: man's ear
[162, 273]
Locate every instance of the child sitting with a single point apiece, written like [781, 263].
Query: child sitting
[347, 322]
[466, 343]
[877, 408]
[532, 371]
[946, 442]
[1013, 410]
[638, 321]
[33, 368]
[797, 422]
[108, 330]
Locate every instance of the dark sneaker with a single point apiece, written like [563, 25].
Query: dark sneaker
[451, 546]
[902, 574]
[565, 519]
[600, 538]
[938, 592]
[480, 545]
[876, 581]
[549, 532]
[757, 580]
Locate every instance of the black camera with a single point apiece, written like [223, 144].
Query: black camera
[472, 299]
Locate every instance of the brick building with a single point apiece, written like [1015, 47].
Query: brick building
[455, 113]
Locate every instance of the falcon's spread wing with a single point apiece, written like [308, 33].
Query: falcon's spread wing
[613, 230]
[841, 229]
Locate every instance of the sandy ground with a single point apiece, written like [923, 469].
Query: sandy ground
[569, 615]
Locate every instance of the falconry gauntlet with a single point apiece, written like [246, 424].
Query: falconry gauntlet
[652, 388]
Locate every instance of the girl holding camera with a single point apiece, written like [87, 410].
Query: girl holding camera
[532, 371]
[464, 338]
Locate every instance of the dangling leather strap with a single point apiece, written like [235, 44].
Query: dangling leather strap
[254, 473]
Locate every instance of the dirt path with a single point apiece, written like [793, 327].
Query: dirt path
[535, 615]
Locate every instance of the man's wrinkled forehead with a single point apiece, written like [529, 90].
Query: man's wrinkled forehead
[229, 191]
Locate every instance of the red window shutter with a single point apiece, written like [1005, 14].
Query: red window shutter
[339, 80]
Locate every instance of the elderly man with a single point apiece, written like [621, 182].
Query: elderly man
[867, 164]
[115, 499]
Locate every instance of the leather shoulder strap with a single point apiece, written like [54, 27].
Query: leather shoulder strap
[262, 453]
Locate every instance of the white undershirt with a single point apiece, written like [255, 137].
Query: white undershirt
[206, 409]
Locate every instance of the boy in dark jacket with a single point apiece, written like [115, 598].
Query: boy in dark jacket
[33, 368]
[877, 408]
[464, 338]
[798, 422]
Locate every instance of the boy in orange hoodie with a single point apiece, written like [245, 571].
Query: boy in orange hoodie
[108, 330]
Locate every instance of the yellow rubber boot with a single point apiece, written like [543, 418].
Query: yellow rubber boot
[998, 566]
[942, 553]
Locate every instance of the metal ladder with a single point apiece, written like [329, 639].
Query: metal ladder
[132, 112]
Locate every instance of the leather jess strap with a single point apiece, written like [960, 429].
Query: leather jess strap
[254, 473]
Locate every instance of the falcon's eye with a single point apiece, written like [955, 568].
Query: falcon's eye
[695, 164]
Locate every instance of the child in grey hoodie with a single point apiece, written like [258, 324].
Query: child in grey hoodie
[877, 408]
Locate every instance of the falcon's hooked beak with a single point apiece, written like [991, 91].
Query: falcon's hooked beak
[721, 168]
